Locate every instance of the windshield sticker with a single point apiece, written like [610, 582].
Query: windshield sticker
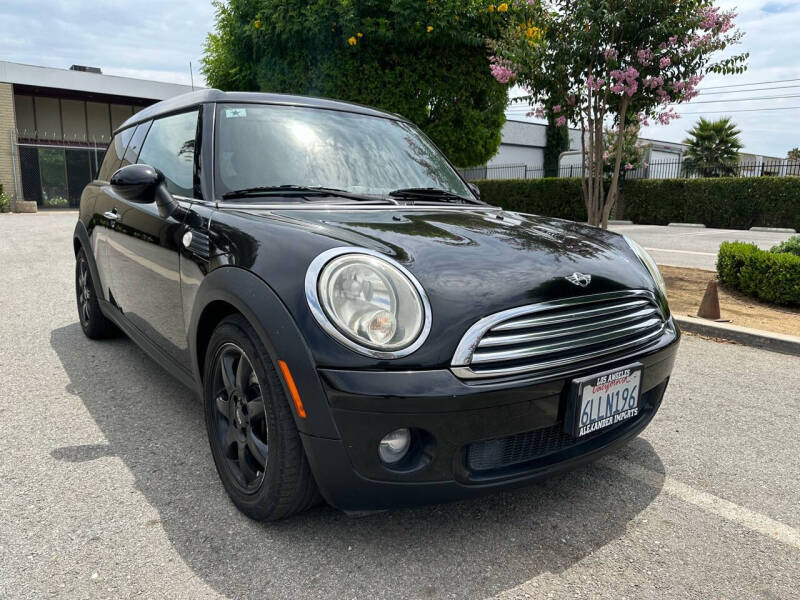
[232, 113]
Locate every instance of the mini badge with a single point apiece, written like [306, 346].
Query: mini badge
[579, 279]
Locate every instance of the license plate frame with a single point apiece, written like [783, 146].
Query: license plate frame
[611, 382]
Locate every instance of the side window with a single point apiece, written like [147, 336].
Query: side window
[135, 145]
[169, 147]
[114, 154]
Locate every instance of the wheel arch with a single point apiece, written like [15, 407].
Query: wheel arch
[233, 290]
[80, 239]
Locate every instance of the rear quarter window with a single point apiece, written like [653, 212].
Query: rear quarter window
[135, 145]
[114, 154]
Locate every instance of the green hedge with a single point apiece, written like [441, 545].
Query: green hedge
[724, 202]
[551, 196]
[774, 277]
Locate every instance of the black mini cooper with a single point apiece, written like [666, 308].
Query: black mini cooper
[359, 324]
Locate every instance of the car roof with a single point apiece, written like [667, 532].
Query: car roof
[191, 99]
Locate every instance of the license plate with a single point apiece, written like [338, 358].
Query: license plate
[601, 401]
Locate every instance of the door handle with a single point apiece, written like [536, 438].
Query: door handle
[112, 215]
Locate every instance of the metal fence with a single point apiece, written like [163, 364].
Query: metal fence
[53, 173]
[513, 171]
[750, 168]
[671, 169]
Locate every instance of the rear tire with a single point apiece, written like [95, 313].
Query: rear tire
[251, 430]
[94, 323]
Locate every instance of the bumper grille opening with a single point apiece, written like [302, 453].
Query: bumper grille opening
[530, 449]
[565, 333]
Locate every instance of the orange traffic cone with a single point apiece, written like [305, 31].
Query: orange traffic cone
[709, 307]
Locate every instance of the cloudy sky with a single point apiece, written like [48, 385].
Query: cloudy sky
[157, 40]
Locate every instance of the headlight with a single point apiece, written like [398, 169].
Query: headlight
[649, 263]
[368, 302]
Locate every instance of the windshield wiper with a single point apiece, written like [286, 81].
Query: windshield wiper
[298, 190]
[431, 193]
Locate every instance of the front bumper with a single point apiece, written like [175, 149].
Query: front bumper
[452, 414]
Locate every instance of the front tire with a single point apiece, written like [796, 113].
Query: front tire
[251, 430]
[94, 323]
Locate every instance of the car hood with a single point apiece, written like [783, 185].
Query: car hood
[472, 262]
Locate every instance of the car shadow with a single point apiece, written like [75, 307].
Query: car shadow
[464, 549]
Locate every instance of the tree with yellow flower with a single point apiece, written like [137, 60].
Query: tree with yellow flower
[429, 61]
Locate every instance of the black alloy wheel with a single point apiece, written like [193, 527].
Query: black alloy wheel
[93, 322]
[239, 418]
[251, 426]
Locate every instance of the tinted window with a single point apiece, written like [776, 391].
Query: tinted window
[135, 145]
[271, 145]
[114, 154]
[169, 147]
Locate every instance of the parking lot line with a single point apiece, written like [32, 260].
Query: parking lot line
[680, 251]
[709, 502]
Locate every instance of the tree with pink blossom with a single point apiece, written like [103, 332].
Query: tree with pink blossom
[614, 63]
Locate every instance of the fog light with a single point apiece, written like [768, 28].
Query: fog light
[394, 446]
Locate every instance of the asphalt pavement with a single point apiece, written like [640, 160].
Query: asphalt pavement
[693, 247]
[108, 489]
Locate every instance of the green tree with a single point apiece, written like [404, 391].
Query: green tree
[793, 154]
[556, 142]
[425, 60]
[713, 149]
[617, 61]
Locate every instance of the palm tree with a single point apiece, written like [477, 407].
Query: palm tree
[713, 148]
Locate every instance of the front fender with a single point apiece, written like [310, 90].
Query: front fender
[261, 306]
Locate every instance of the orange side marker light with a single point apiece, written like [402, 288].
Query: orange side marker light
[287, 376]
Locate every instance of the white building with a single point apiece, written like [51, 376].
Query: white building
[55, 125]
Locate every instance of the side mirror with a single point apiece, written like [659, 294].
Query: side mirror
[144, 184]
[475, 190]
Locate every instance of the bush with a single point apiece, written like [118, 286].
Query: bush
[725, 202]
[5, 201]
[792, 246]
[770, 276]
[552, 197]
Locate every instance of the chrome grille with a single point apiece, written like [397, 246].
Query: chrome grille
[563, 333]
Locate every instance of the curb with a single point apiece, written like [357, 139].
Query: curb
[774, 229]
[776, 342]
[695, 225]
[620, 222]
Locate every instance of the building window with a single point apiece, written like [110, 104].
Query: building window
[26, 120]
[48, 118]
[98, 122]
[73, 116]
[53, 169]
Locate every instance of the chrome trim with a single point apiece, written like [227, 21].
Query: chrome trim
[479, 357]
[468, 373]
[312, 296]
[520, 338]
[567, 317]
[474, 334]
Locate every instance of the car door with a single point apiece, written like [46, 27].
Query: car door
[144, 246]
[103, 219]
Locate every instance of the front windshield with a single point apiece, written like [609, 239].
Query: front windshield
[264, 145]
